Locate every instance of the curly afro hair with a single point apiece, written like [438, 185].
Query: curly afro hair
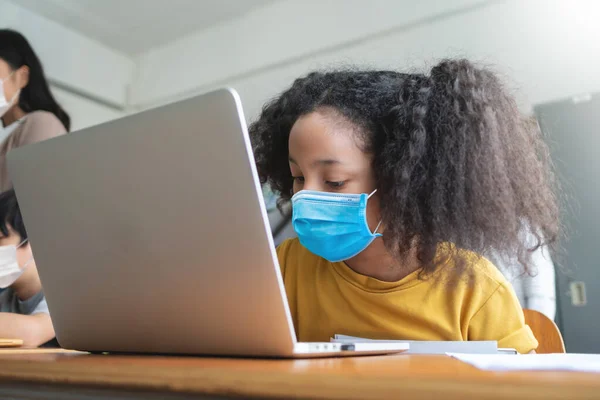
[454, 159]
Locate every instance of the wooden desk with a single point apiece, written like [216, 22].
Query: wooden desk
[73, 376]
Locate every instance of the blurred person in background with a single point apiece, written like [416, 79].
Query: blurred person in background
[23, 309]
[535, 290]
[27, 108]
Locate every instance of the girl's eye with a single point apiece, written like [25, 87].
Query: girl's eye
[335, 185]
[298, 179]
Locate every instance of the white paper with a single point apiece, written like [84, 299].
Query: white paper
[541, 362]
[432, 347]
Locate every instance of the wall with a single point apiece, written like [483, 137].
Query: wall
[84, 112]
[547, 48]
[96, 78]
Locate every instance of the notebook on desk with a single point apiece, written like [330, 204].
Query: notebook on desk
[436, 347]
[533, 362]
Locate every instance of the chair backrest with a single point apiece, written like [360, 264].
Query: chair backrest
[545, 331]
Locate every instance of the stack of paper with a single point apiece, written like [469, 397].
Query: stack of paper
[435, 347]
[565, 362]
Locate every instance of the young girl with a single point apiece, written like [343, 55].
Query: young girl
[398, 182]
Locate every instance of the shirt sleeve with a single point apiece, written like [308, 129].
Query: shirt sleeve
[42, 307]
[501, 318]
[39, 126]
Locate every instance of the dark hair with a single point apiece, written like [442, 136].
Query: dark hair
[10, 214]
[17, 52]
[455, 160]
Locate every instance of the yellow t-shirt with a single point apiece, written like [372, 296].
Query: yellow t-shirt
[328, 298]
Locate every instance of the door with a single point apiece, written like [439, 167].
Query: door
[573, 130]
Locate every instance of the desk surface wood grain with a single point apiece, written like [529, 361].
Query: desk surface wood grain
[406, 376]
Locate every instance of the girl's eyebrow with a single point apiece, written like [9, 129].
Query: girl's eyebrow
[327, 161]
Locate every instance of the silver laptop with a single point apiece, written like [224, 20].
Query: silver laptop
[151, 235]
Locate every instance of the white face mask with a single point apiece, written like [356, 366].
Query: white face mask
[9, 265]
[5, 104]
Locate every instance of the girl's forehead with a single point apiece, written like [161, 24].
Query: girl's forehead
[324, 137]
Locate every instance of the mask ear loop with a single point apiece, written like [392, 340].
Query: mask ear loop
[10, 102]
[28, 261]
[380, 221]
[8, 77]
[378, 225]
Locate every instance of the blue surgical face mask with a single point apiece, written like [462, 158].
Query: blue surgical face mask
[332, 225]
